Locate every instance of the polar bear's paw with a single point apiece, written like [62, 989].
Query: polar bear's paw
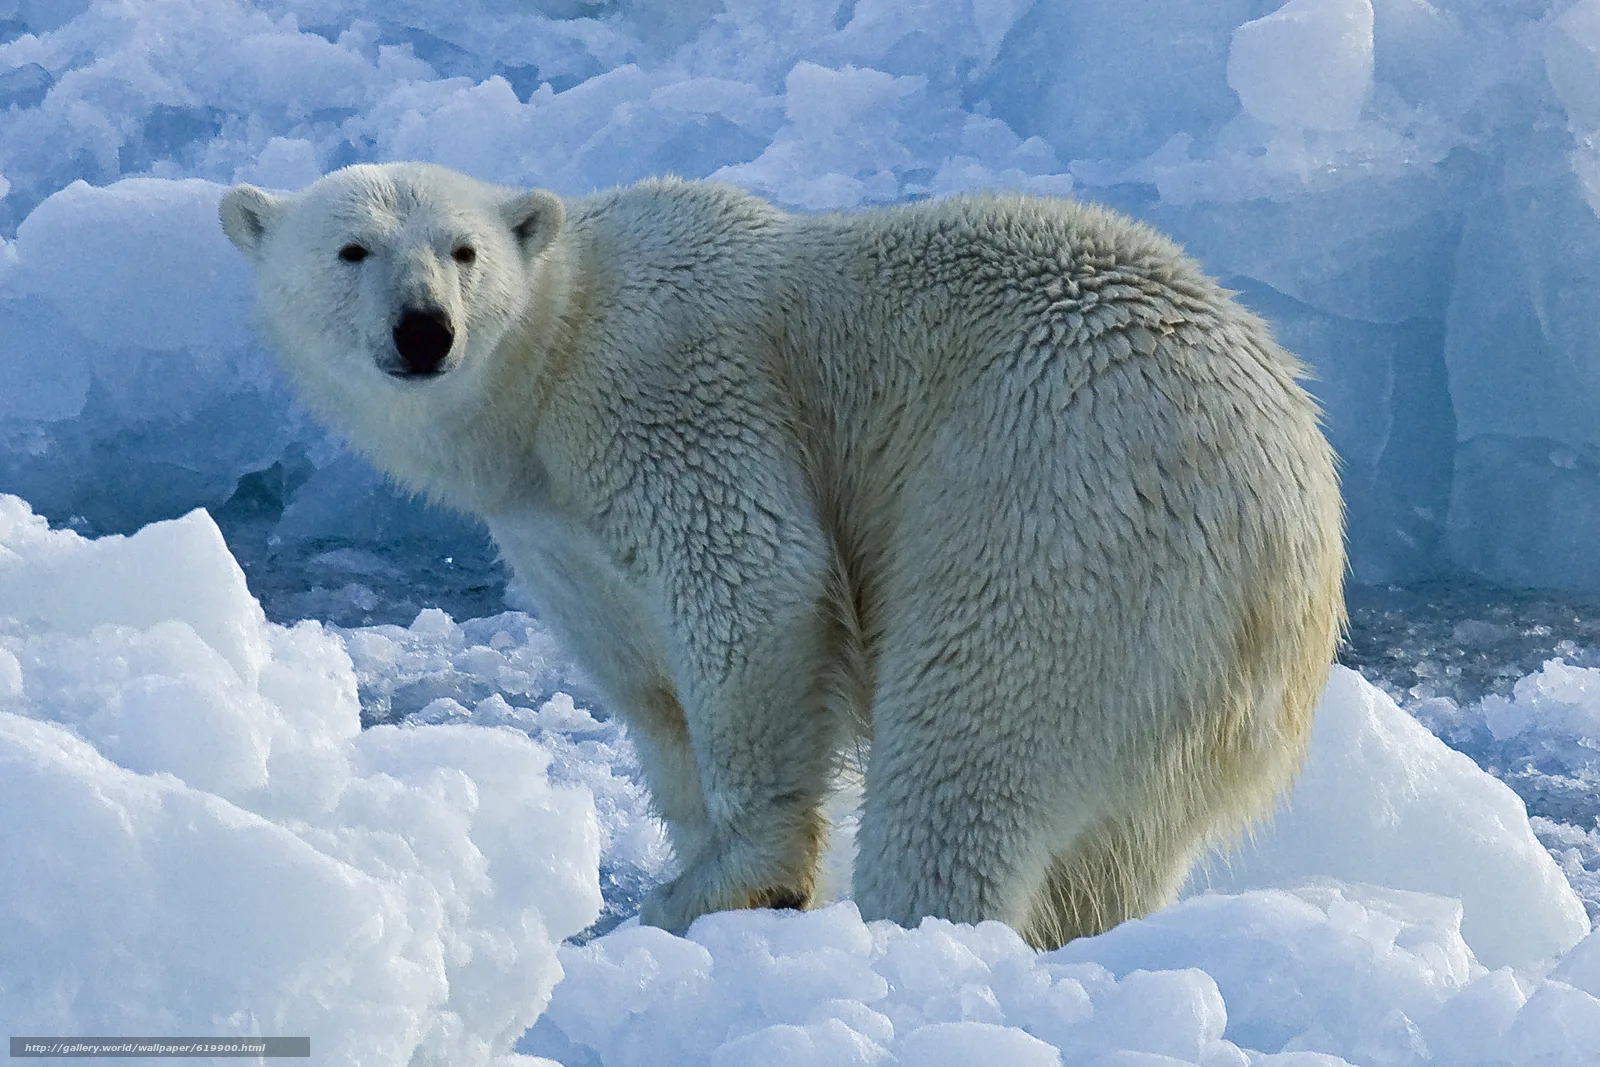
[713, 885]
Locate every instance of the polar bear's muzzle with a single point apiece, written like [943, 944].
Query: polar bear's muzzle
[422, 340]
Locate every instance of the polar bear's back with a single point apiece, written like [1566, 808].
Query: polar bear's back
[1032, 294]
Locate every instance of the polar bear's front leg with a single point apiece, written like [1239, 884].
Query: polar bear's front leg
[763, 745]
[698, 484]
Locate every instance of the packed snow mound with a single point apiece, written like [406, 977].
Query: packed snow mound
[1407, 189]
[1306, 66]
[188, 791]
[1320, 976]
[1383, 801]
[508, 671]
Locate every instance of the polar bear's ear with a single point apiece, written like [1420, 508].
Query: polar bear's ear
[534, 218]
[247, 214]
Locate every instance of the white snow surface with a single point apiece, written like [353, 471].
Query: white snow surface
[188, 793]
[1406, 188]
[201, 840]
[1382, 800]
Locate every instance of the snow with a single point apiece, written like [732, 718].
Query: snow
[188, 792]
[400, 838]
[180, 774]
[1581, 967]
[1306, 66]
[1383, 801]
[1320, 975]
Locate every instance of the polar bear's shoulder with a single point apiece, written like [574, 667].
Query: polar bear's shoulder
[676, 212]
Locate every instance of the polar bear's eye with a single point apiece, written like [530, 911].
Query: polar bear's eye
[352, 253]
[464, 254]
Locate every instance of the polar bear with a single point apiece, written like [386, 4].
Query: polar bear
[1004, 487]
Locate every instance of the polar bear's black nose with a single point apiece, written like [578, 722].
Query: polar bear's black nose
[423, 339]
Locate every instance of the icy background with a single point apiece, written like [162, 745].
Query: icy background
[1407, 189]
[197, 833]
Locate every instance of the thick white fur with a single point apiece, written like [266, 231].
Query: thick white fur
[1005, 483]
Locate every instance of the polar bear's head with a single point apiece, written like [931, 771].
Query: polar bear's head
[397, 276]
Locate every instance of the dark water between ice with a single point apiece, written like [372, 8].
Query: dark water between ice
[1464, 639]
